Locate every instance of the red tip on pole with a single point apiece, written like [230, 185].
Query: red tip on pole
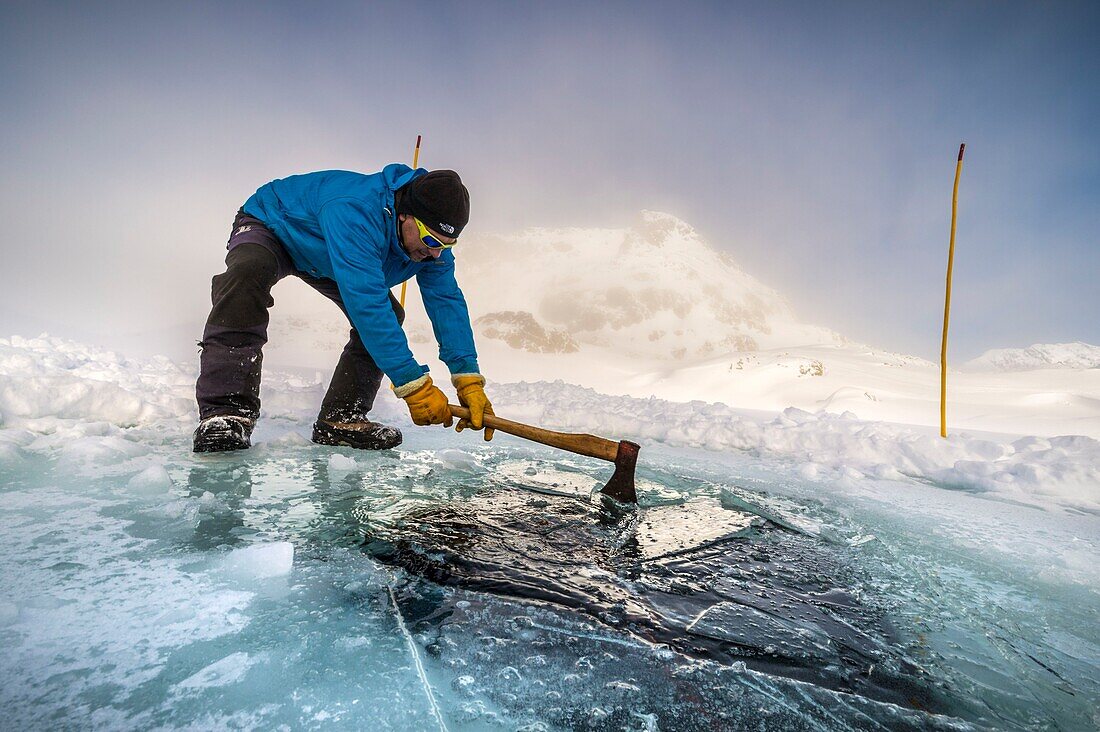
[961, 148]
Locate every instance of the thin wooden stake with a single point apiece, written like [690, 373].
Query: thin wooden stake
[416, 159]
[947, 298]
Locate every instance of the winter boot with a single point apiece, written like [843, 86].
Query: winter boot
[223, 432]
[363, 435]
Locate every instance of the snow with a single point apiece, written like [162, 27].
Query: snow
[72, 381]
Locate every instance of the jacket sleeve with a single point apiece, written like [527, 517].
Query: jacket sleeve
[446, 307]
[356, 242]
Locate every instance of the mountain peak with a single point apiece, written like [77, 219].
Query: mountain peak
[655, 225]
[655, 288]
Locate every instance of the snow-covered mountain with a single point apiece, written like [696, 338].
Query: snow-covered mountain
[1076, 355]
[655, 289]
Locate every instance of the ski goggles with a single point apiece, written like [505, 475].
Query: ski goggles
[429, 238]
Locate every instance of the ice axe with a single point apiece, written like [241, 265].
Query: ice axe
[623, 453]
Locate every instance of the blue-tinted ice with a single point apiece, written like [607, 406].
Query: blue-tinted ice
[459, 586]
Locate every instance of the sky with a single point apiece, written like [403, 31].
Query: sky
[813, 142]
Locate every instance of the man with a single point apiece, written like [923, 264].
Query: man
[351, 237]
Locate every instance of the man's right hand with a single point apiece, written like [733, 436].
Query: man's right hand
[428, 405]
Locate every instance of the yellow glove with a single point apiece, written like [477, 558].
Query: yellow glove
[471, 394]
[427, 404]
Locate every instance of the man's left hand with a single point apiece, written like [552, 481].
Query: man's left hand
[471, 394]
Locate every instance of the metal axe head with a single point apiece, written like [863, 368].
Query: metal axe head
[621, 485]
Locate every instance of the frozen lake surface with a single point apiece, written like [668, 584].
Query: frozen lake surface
[456, 585]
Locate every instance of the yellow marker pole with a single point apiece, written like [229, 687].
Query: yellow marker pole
[416, 159]
[947, 299]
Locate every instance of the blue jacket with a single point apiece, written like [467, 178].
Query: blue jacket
[343, 226]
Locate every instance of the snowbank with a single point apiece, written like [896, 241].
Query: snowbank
[1057, 471]
[50, 379]
[90, 407]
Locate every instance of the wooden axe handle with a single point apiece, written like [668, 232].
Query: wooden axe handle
[589, 445]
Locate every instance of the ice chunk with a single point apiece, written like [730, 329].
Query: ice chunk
[545, 478]
[338, 463]
[228, 670]
[771, 508]
[671, 529]
[261, 561]
[459, 460]
[151, 481]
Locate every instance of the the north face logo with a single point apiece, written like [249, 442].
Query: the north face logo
[446, 228]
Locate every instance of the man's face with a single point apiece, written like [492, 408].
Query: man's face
[410, 240]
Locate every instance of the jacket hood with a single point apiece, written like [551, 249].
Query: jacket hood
[397, 175]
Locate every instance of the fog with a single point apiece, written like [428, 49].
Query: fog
[816, 146]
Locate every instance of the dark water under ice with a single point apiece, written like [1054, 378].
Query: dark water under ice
[697, 579]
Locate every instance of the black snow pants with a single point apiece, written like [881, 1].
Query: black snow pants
[236, 331]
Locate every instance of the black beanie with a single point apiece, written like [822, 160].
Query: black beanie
[439, 200]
